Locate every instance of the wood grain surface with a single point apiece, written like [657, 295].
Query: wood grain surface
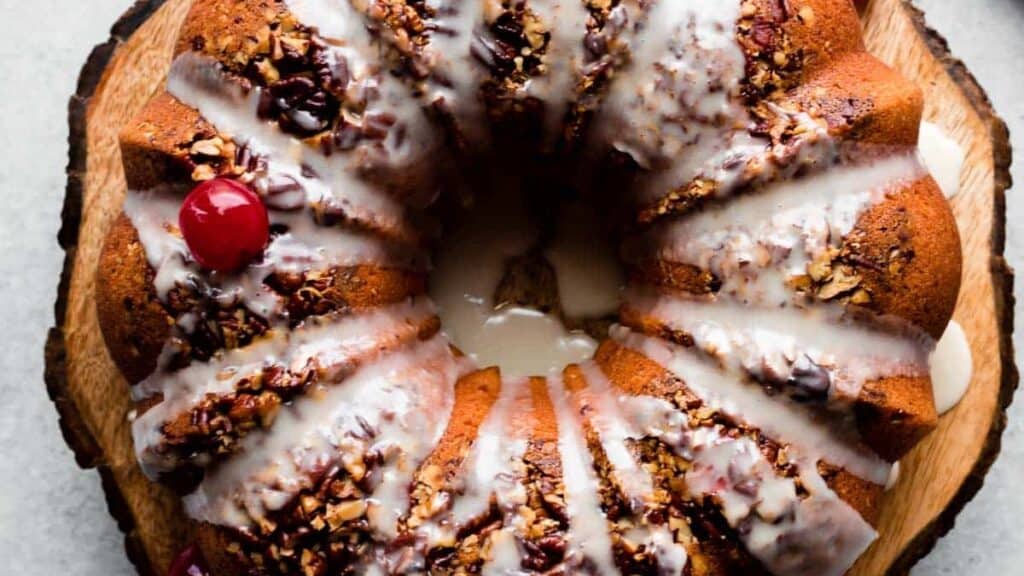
[938, 477]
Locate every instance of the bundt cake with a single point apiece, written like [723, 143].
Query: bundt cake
[788, 264]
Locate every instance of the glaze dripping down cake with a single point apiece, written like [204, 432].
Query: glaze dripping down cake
[789, 265]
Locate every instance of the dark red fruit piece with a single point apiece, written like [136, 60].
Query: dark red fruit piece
[188, 563]
[224, 224]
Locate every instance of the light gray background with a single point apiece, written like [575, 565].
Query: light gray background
[53, 519]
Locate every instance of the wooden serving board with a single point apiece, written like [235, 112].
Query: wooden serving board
[938, 478]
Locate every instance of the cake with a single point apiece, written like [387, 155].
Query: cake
[789, 265]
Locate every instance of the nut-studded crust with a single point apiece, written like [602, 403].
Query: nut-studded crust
[247, 20]
[475, 394]
[136, 325]
[635, 373]
[155, 144]
[253, 24]
[905, 251]
[876, 108]
[893, 413]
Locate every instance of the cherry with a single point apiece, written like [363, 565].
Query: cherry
[188, 563]
[224, 224]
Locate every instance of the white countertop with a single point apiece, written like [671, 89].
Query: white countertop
[53, 517]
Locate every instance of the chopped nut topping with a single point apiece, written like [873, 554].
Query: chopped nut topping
[212, 147]
[344, 512]
[806, 15]
[203, 172]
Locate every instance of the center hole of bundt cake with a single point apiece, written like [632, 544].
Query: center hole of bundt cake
[528, 282]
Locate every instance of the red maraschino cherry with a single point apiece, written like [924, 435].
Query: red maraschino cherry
[188, 563]
[224, 224]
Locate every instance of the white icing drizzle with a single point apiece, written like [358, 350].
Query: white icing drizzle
[588, 540]
[335, 19]
[606, 412]
[757, 241]
[566, 21]
[331, 344]
[469, 267]
[951, 368]
[405, 399]
[589, 276]
[493, 462]
[943, 156]
[686, 63]
[777, 418]
[621, 417]
[780, 344]
[618, 418]
[525, 341]
[505, 555]
[154, 214]
[816, 536]
[894, 477]
[451, 56]
[676, 108]
[321, 181]
[345, 32]
[492, 469]
[819, 534]
[199, 82]
[613, 430]
[305, 246]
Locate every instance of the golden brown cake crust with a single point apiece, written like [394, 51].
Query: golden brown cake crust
[864, 101]
[134, 322]
[248, 21]
[907, 252]
[155, 145]
[475, 394]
